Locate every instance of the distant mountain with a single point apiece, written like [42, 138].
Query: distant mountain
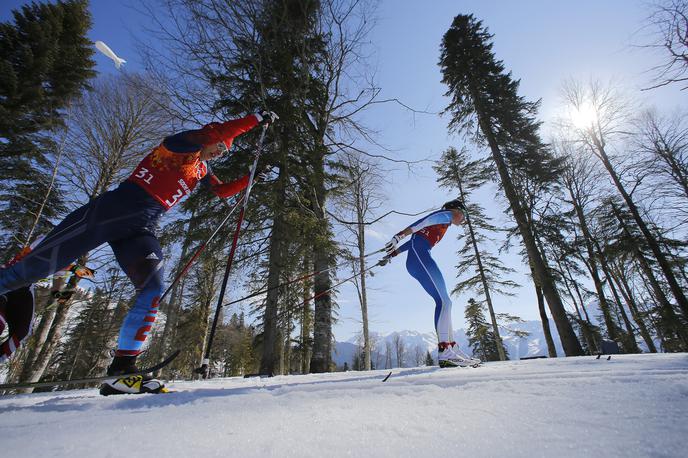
[417, 344]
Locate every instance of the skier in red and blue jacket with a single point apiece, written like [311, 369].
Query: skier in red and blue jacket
[425, 234]
[126, 218]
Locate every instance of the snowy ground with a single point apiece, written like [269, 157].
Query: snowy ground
[630, 406]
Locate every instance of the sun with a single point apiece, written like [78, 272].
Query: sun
[584, 116]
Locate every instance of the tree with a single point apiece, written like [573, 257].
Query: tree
[669, 19]
[428, 359]
[480, 335]
[483, 94]
[400, 349]
[358, 199]
[609, 113]
[581, 181]
[45, 61]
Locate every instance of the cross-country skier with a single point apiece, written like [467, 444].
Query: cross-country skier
[126, 218]
[425, 233]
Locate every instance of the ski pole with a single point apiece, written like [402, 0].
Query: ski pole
[198, 252]
[295, 280]
[204, 370]
[322, 293]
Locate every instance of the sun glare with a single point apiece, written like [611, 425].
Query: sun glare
[584, 116]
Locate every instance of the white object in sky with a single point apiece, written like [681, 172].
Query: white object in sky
[105, 49]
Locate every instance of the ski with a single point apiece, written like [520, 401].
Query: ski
[147, 370]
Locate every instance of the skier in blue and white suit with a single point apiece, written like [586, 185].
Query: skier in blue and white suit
[425, 233]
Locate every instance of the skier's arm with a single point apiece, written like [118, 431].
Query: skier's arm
[216, 132]
[224, 190]
[441, 217]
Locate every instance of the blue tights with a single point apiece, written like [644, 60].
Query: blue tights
[126, 219]
[423, 268]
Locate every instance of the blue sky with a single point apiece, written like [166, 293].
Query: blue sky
[541, 42]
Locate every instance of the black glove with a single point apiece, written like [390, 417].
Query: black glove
[267, 117]
[384, 261]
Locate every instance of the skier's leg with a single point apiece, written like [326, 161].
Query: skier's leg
[423, 268]
[141, 259]
[74, 236]
[68, 240]
[19, 319]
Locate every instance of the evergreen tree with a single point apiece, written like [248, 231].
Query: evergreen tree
[428, 359]
[481, 338]
[45, 61]
[483, 94]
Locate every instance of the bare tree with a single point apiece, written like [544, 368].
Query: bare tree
[388, 354]
[399, 349]
[669, 23]
[357, 202]
[599, 114]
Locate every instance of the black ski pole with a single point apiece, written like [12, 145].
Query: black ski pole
[294, 280]
[204, 370]
[322, 293]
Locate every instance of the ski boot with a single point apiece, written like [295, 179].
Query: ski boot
[16, 315]
[135, 384]
[449, 355]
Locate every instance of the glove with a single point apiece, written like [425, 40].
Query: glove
[391, 246]
[264, 175]
[384, 261]
[267, 117]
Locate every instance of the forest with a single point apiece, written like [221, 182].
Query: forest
[598, 208]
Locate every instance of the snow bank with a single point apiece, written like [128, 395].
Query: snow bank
[633, 405]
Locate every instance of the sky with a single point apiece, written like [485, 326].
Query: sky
[542, 42]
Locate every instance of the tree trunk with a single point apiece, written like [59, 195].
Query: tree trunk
[321, 358]
[591, 264]
[568, 337]
[664, 265]
[587, 335]
[306, 322]
[486, 289]
[551, 349]
[628, 342]
[668, 317]
[626, 292]
[275, 267]
[362, 272]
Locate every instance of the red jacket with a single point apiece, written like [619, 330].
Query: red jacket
[174, 168]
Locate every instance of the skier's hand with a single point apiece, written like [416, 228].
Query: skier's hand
[266, 117]
[391, 246]
[264, 175]
[384, 261]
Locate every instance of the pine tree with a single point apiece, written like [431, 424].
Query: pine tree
[483, 94]
[428, 359]
[45, 61]
[481, 338]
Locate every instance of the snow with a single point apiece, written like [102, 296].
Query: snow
[632, 405]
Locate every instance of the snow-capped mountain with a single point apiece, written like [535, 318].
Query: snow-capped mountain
[416, 344]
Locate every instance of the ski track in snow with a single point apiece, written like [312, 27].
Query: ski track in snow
[633, 405]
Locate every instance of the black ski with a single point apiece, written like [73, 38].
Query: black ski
[147, 370]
